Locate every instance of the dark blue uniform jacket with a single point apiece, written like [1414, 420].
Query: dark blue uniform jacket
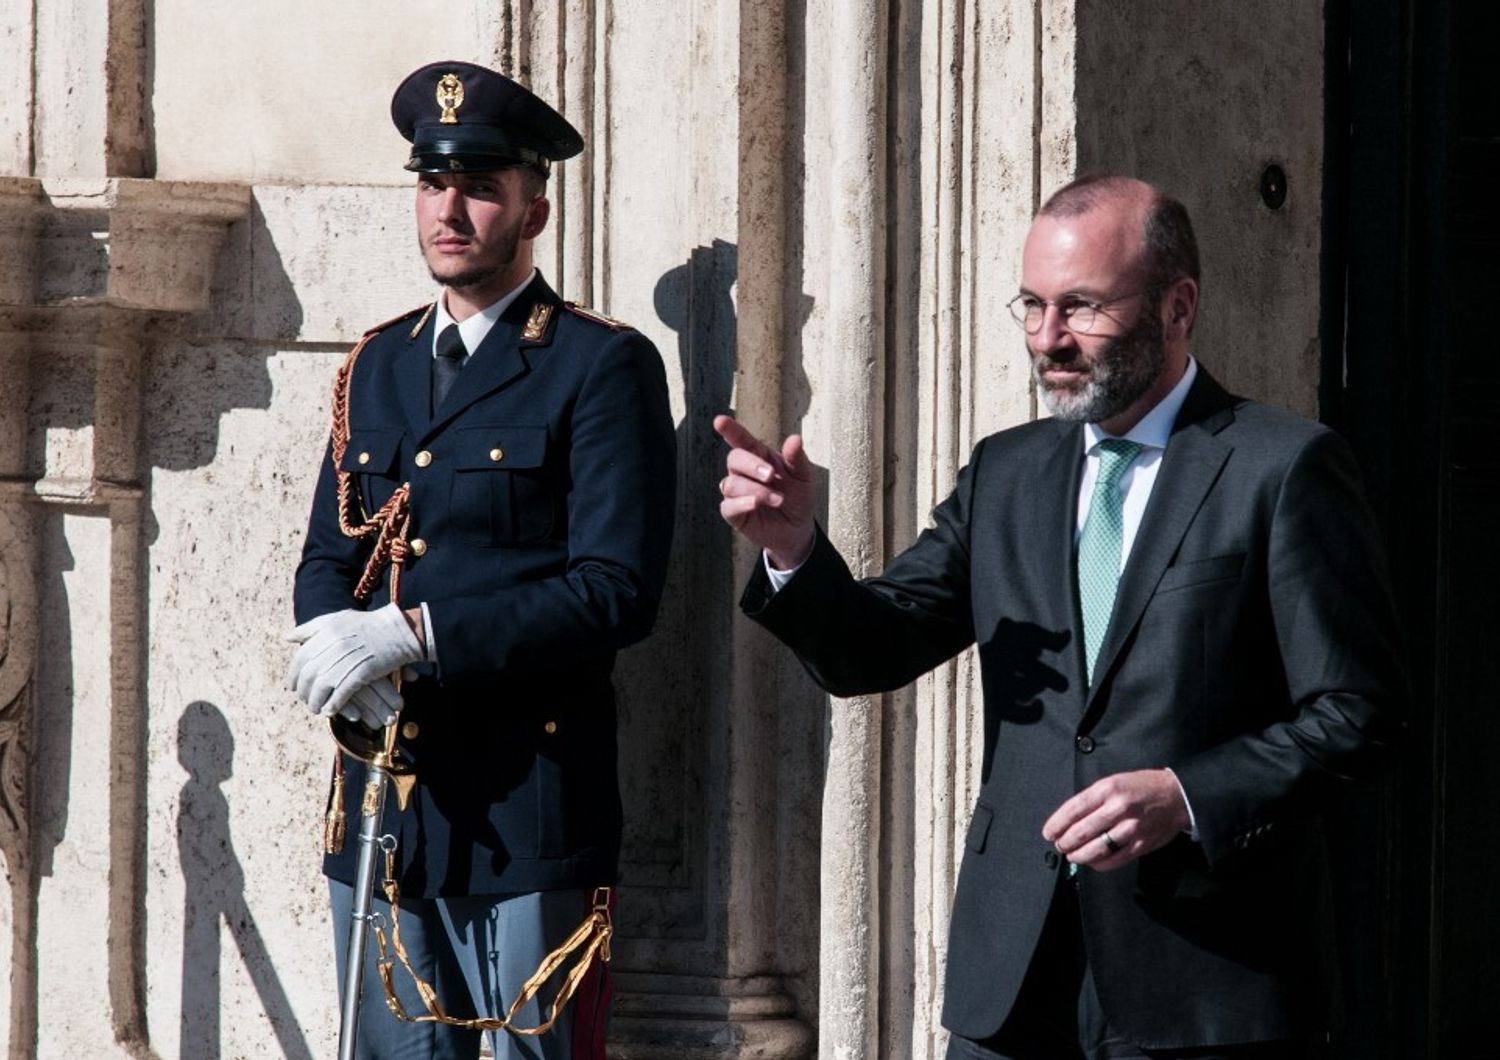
[542, 491]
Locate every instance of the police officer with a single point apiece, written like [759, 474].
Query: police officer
[514, 455]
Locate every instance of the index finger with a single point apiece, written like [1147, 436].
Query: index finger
[730, 429]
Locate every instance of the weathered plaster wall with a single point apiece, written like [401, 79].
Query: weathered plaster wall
[296, 93]
[1202, 98]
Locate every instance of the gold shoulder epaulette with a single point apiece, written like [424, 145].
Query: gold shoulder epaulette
[597, 318]
[421, 320]
[424, 310]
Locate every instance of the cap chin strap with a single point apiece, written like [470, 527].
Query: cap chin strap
[456, 158]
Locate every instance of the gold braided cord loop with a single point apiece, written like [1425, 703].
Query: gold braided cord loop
[391, 523]
[589, 939]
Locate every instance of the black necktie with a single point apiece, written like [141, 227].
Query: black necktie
[447, 364]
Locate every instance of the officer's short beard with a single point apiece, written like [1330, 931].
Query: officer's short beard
[1119, 375]
[479, 274]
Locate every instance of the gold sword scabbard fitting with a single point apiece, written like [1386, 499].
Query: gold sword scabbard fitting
[335, 824]
[335, 830]
[369, 806]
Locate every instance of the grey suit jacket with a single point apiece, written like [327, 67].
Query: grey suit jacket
[1253, 649]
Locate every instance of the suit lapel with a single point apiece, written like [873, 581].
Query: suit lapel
[1194, 457]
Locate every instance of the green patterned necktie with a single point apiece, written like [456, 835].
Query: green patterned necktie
[1099, 546]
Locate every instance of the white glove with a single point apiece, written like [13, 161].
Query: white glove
[347, 650]
[375, 704]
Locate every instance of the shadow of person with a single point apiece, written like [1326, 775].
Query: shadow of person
[695, 300]
[662, 684]
[213, 891]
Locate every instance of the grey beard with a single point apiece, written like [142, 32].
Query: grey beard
[1122, 371]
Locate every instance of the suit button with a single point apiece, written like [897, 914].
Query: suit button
[411, 730]
[364, 458]
[550, 728]
[422, 459]
[497, 455]
[418, 547]
[1085, 744]
[1051, 859]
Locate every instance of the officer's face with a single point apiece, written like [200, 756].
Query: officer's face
[475, 229]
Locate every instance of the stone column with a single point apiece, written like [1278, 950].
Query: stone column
[696, 963]
[20, 213]
[91, 125]
[851, 936]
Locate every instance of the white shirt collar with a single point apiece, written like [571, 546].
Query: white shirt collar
[1155, 427]
[474, 329]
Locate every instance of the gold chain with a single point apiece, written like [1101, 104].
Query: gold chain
[590, 937]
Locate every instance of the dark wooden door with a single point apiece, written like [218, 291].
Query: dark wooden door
[1411, 374]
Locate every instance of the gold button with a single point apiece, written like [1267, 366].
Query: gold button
[364, 458]
[411, 730]
[418, 546]
[497, 455]
[550, 727]
[423, 458]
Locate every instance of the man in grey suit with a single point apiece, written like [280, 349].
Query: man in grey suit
[1187, 641]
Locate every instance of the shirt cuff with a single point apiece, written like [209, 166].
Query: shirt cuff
[779, 578]
[429, 646]
[1192, 829]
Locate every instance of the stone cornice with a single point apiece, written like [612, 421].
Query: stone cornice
[125, 243]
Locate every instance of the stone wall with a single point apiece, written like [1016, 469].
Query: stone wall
[814, 207]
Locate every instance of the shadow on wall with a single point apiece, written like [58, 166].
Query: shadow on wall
[664, 684]
[214, 885]
[52, 769]
[669, 687]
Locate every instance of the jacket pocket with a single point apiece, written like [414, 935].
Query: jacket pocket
[501, 489]
[372, 457]
[1201, 572]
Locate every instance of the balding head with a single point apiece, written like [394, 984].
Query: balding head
[1168, 247]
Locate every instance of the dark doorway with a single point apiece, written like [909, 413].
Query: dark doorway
[1410, 374]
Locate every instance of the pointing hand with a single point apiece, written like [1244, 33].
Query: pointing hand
[767, 495]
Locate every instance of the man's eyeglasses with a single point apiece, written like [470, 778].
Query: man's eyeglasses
[1079, 315]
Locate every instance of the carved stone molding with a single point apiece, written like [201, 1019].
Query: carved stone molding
[132, 244]
[681, 1017]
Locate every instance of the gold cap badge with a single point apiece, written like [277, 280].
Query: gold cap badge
[450, 96]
